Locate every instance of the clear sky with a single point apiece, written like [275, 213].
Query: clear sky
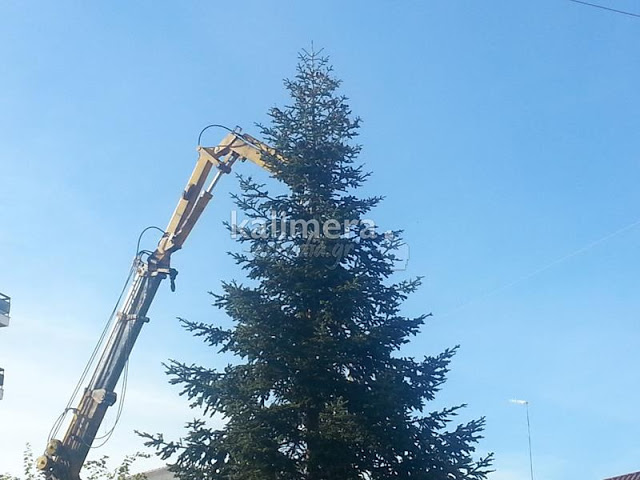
[504, 135]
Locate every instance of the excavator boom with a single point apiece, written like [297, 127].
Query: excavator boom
[63, 459]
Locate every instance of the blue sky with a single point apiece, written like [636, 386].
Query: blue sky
[503, 135]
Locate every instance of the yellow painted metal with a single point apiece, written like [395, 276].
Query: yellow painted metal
[64, 459]
[191, 191]
[233, 146]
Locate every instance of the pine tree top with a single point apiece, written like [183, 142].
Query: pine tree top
[320, 390]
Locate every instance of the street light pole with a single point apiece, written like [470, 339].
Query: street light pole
[529, 435]
[526, 404]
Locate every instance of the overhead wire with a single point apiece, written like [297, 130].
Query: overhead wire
[602, 7]
[542, 269]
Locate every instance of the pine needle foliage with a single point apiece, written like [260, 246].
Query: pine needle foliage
[321, 390]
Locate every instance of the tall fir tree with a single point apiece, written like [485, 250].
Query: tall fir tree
[320, 390]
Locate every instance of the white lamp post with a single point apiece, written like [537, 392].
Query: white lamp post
[526, 404]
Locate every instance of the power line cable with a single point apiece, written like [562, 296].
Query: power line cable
[606, 8]
[542, 269]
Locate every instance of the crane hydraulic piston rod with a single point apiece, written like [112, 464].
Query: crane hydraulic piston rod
[63, 459]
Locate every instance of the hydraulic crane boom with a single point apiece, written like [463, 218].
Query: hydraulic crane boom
[63, 459]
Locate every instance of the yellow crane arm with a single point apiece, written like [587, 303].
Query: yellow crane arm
[63, 459]
[235, 146]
